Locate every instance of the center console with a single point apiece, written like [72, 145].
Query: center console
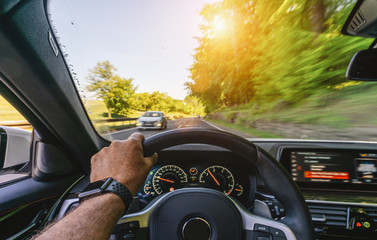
[320, 166]
[340, 187]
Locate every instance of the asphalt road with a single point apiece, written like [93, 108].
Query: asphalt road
[173, 124]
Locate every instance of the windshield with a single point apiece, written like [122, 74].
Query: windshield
[152, 114]
[258, 69]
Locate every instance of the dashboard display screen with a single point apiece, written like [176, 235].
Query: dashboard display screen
[334, 167]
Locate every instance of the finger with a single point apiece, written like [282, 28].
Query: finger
[152, 159]
[137, 136]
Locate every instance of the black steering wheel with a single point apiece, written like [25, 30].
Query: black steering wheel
[199, 213]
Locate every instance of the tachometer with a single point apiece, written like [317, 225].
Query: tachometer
[219, 178]
[168, 178]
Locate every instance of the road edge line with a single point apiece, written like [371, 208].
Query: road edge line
[213, 125]
[122, 131]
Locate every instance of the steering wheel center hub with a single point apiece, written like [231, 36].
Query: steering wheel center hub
[196, 213]
[196, 229]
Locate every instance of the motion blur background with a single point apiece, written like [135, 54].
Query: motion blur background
[255, 68]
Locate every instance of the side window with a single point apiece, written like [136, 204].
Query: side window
[15, 138]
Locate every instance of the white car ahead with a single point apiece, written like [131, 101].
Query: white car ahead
[152, 120]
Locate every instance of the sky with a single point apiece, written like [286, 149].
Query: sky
[148, 40]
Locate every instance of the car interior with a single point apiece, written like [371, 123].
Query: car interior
[245, 188]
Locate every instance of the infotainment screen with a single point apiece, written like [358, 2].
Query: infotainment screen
[333, 167]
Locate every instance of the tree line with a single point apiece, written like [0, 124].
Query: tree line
[120, 97]
[271, 53]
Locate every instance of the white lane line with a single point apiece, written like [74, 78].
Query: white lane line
[122, 131]
[118, 132]
[212, 125]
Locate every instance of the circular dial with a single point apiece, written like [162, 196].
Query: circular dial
[219, 178]
[168, 178]
[238, 189]
[147, 188]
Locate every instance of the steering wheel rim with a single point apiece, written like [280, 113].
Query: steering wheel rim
[274, 175]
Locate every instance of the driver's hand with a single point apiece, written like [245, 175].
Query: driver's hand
[124, 162]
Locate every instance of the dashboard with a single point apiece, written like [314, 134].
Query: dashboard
[337, 179]
[220, 170]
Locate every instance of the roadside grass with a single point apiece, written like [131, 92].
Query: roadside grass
[95, 108]
[8, 112]
[352, 106]
[349, 107]
[252, 131]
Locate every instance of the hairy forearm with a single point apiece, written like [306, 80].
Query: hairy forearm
[93, 219]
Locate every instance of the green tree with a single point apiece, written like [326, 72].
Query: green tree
[142, 102]
[158, 101]
[266, 57]
[193, 105]
[116, 92]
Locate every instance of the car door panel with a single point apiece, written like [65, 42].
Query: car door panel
[28, 204]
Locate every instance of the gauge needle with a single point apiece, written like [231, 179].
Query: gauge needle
[217, 182]
[239, 190]
[166, 180]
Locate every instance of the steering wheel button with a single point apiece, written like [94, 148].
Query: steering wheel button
[280, 238]
[114, 236]
[132, 225]
[263, 238]
[129, 236]
[261, 228]
[277, 232]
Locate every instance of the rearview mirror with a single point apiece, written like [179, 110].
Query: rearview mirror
[363, 66]
[363, 20]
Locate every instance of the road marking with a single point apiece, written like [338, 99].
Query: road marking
[212, 125]
[122, 131]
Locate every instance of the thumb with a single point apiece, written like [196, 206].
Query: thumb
[152, 159]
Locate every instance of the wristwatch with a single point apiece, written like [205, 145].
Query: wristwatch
[106, 186]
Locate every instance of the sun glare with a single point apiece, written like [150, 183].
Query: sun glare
[219, 24]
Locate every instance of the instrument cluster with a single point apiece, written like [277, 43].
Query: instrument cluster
[169, 177]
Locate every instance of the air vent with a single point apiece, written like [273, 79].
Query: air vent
[372, 213]
[357, 21]
[328, 215]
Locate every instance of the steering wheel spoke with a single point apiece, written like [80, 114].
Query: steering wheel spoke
[142, 217]
[257, 226]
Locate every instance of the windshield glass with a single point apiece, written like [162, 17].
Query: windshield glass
[152, 114]
[258, 69]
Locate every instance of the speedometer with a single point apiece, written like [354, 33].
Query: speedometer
[168, 178]
[219, 178]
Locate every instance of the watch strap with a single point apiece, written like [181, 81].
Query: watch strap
[106, 186]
